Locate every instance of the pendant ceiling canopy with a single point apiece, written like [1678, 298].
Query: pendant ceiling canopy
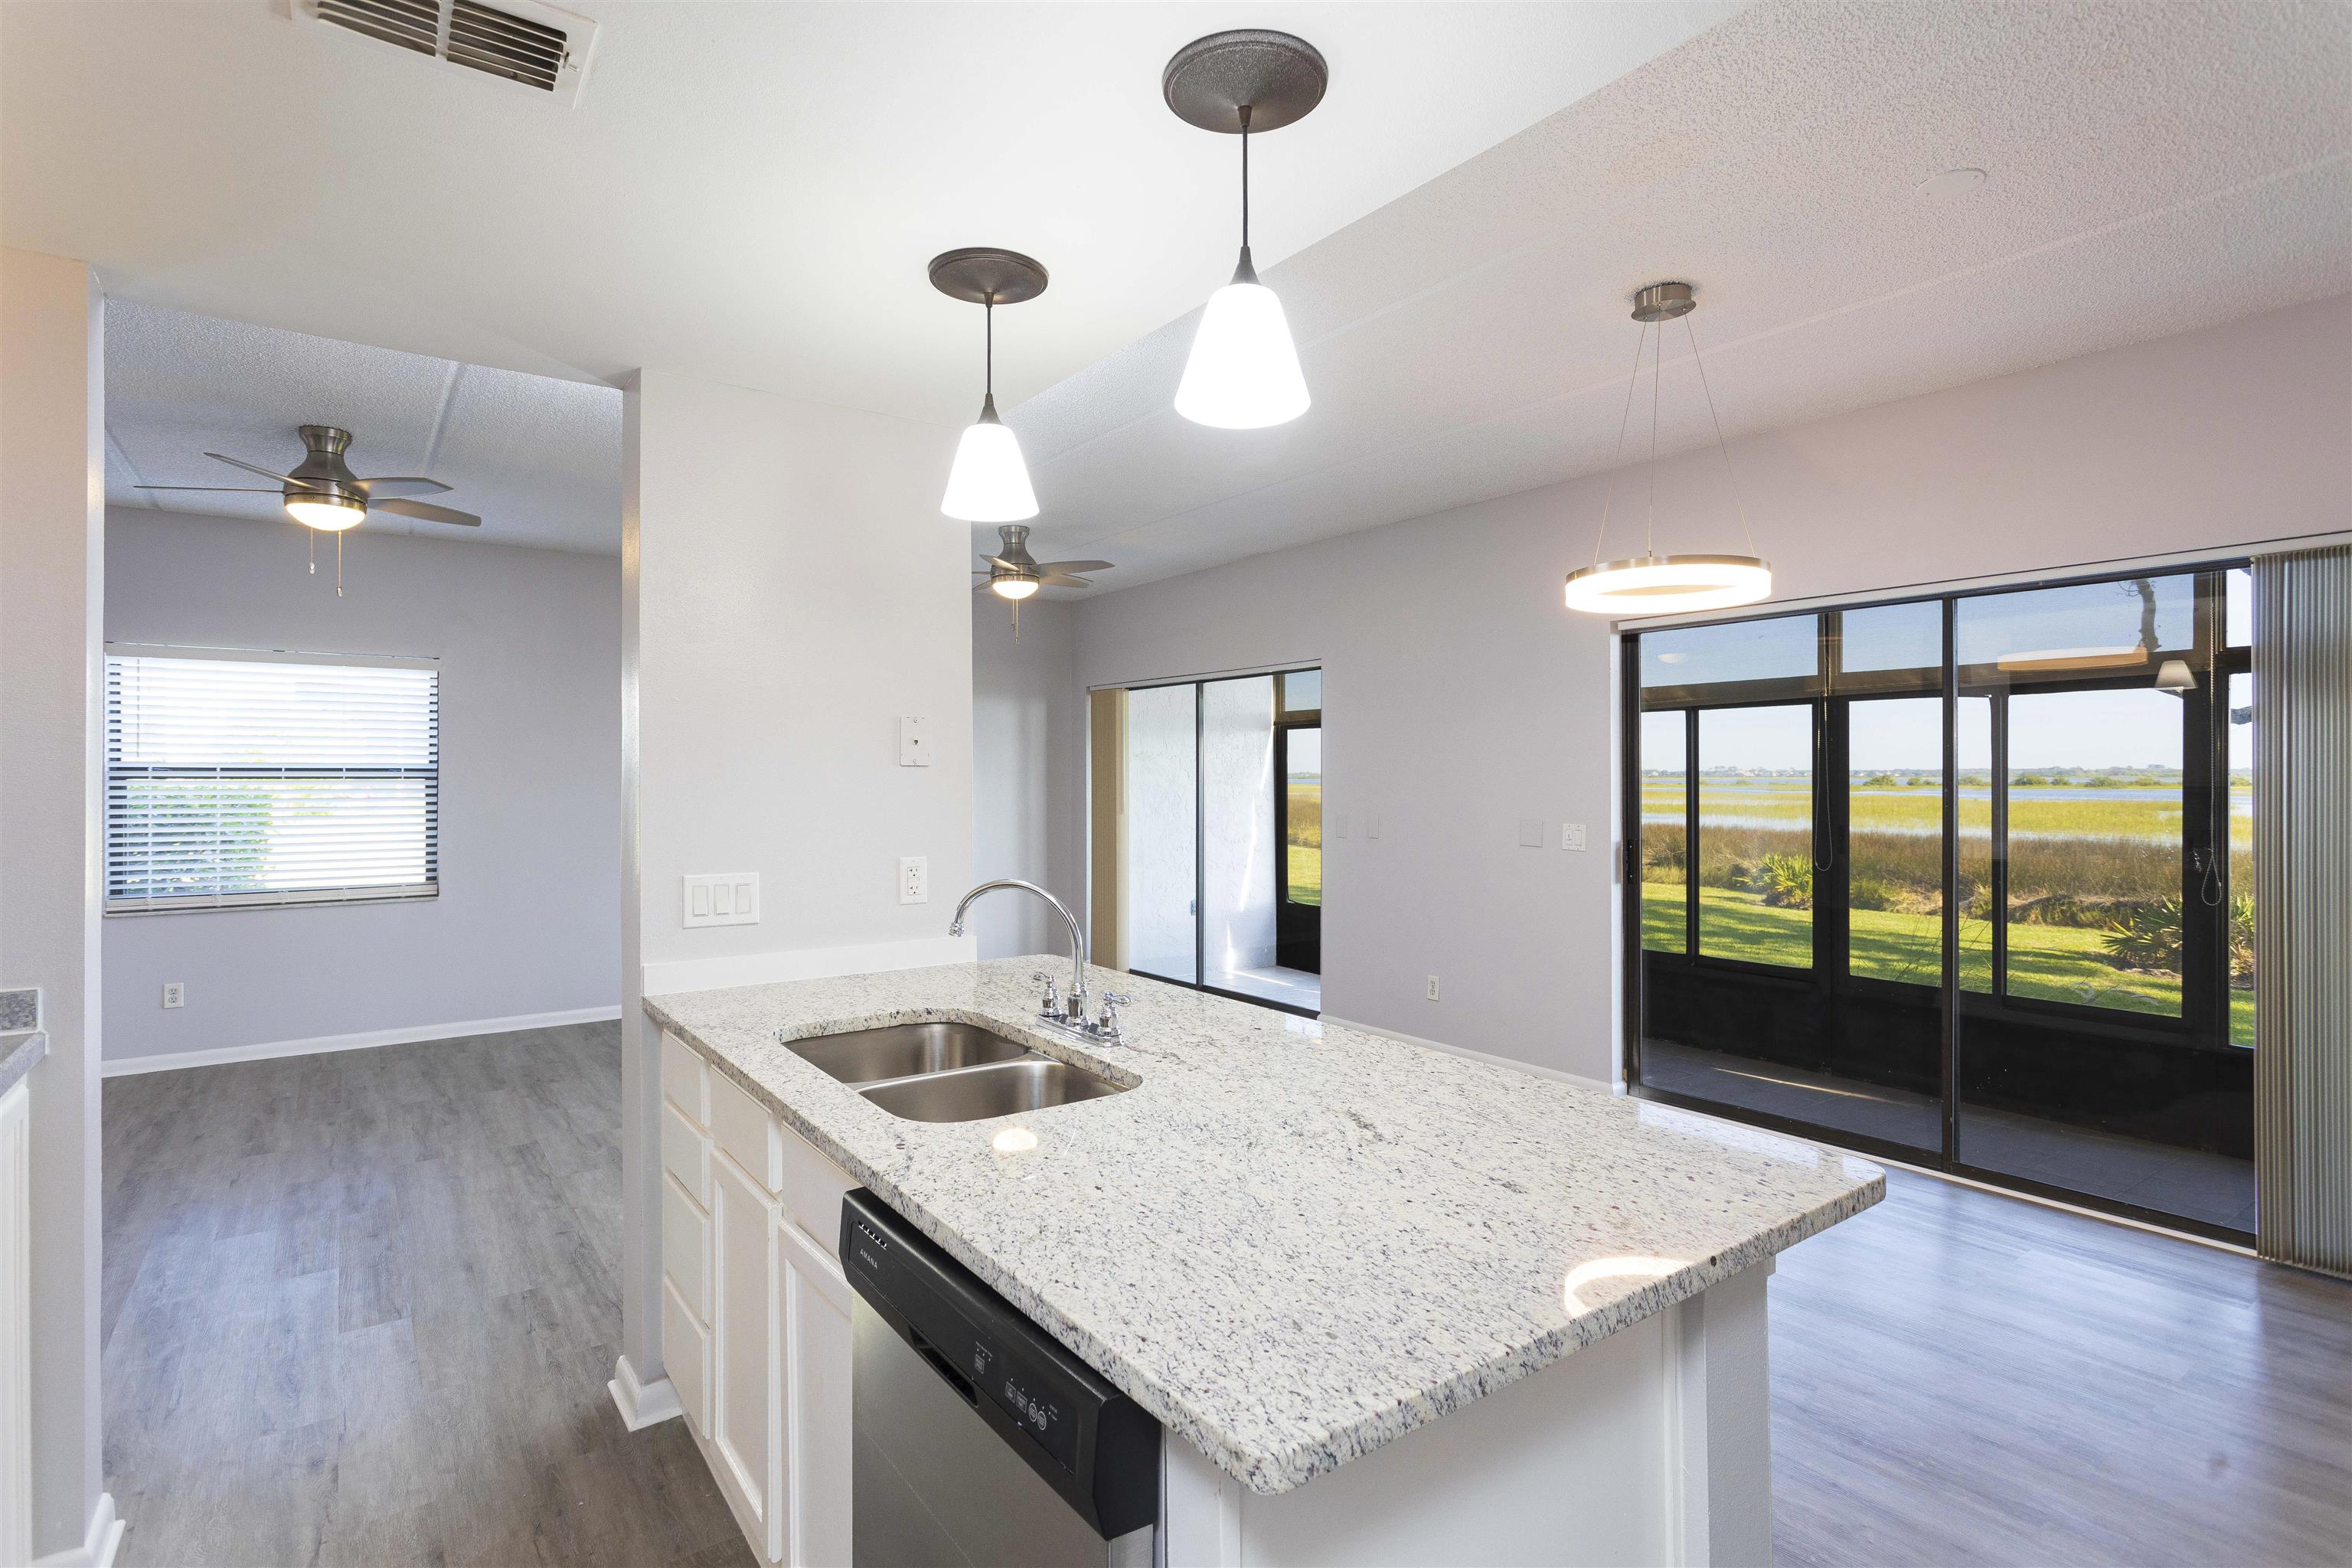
[1650, 584]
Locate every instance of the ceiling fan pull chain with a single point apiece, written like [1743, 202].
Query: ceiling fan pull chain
[338, 565]
[312, 535]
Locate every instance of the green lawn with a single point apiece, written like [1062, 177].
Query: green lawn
[1306, 874]
[2059, 963]
[1903, 808]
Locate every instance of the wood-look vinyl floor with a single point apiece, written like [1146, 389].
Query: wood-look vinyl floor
[360, 1309]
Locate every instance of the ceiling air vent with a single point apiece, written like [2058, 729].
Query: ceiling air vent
[534, 46]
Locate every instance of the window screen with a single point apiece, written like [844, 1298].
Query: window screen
[251, 779]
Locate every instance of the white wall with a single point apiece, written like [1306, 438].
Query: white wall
[789, 591]
[1028, 760]
[52, 577]
[1459, 697]
[528, 922]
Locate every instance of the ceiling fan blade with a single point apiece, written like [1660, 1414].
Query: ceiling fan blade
[253, 468]
[401, 487]
[1008, 565]
[1064, 580]
[1066, 566]
[218, 489]
[419, 509]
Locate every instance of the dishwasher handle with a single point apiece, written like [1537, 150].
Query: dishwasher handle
[944, 1367]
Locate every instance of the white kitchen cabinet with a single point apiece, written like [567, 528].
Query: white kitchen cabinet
[756, 1311]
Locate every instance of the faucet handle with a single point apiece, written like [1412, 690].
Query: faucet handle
[1112, 1001]
[1053, 990]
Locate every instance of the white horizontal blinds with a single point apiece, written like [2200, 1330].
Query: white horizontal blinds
[234, 782]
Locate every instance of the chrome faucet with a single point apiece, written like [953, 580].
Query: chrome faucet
[1072, 1009]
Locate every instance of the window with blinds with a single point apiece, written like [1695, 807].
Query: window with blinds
[243, 779]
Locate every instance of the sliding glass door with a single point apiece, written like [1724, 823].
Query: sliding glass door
[1963, 881]
[1223, 888]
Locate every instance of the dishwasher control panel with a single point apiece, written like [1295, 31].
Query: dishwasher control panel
[1094, 1445]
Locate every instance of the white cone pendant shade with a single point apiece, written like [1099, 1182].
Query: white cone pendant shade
[1244, 369]
[1668, 584]
[990, 483]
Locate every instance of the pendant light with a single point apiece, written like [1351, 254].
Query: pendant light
[988, 482]
[1243, 372]
[1650, 584]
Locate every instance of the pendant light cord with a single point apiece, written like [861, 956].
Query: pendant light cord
[1246, 120]
[1616, 459]
[1738, 502]
[1657, 376]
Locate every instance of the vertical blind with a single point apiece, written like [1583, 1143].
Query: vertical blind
[250, 779]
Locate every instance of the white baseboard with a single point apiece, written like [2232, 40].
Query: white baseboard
[642, 1405]
[98, 1543]
[1514, 1064]
[121, 1066]
[806, 963]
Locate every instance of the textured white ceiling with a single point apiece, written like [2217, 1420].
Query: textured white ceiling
[537, 459]
[2154, 168]
[746, 193]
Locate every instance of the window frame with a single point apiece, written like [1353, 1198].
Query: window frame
[133, 906]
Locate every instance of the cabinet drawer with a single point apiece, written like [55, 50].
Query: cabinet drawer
[686, 1352]
[747, 1131]
[686, 1249]
[686, 1155]
[683, 1078]
[812, 1190]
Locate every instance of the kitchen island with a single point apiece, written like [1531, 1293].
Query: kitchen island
[1390, 1304]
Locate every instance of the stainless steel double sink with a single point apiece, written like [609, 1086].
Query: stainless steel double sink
[950, 1071]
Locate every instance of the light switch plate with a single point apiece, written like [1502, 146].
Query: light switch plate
[1371, 827]
[722, 899]
[1571, 836]
[1531, 833]
[914, 879]
[914, 742]
[1338, 824]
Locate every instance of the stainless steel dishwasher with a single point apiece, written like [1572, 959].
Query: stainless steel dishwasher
[979, 1439]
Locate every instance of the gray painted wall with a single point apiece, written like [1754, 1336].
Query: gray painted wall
[1460, 697]
[1028, 762]
[529, 918]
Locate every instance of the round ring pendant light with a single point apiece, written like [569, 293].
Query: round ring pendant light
[1650, 584]
[1242, 372]
[988, 482]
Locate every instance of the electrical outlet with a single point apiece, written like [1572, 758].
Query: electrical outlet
[1433, 987]
[1571, 837]
[914, 879]
[722, 899]
[175, 994]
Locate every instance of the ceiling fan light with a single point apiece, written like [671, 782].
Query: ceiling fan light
[1243, 372]
[1013, 587]
[1668, 584]
[328, 515]
[989, 483]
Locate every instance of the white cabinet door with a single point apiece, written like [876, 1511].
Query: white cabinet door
[747, 1364]
[816, 1399]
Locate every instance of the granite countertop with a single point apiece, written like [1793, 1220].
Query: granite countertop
[19, 1049]
[1291, 1242]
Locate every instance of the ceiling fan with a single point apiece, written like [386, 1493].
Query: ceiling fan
[1013, 574]
[322, 493]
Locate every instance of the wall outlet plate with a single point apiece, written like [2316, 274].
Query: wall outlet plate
[175, 994]
[914, 879]
[914, 742]
[722, 899]
[1433, 987]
